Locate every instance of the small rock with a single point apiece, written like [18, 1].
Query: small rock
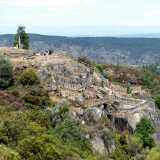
[98, 144]
[93, 114]
[80, 100]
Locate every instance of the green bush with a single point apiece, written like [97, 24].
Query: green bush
[144, 130]
[14, 91]
[37, 90]
[148, 79]
[86, 61]
[8, 154]
[61, 109]
[28, 77]
[45, 147]
[11, 128]
[134, 146]
[41, 117]
[100, 68]
[40, 93]
[6, 72]
[129, 90]
[29, 134]
[108, 138]
[120, 151]
[34, 100]
[71, 133]
[91, 64]
[157, 101]
[127, 147]
[119, 154]
[36, 96]
[154, 154]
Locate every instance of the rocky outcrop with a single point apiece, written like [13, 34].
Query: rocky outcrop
[93, 115]
[91, 96]
[98, 145]
[65, 76]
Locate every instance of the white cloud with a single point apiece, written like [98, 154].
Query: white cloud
[62, 13]
[41, 3]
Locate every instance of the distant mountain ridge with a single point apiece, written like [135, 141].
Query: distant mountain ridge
[145, 35]
[102, 49]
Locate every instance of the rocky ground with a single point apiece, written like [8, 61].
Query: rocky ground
[90, 95]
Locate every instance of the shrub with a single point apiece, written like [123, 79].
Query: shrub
[129, 90]
[71, 133]
[120, 150]
[157, 101]
[108, 138]
[91, 64]
[147, 79]
[45, 147]
[127, 147]
[6, 72]
[42, 101]
[85, 60]
[8, 154]
[37, 90]
[154, 154]
[10, 129]
[34, 100]
[144, 130]
[58, 113]
[134, 145]
[41, 117]
[28, 77]
[63, 109]
[40, 96]
[119, 154]
[14, 91]
[100, 68]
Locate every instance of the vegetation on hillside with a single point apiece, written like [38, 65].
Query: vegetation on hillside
[6, 72]
[157, 101]
[28, 77]
[32, 127]
[144, 130]
[134, 76]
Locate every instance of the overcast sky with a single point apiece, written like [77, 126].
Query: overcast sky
[81, 17]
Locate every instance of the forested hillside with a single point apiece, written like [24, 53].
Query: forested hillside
[102, 49]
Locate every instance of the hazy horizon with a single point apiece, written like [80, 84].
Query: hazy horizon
[90, 31]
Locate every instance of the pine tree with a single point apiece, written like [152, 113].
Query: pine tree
[21, 38]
